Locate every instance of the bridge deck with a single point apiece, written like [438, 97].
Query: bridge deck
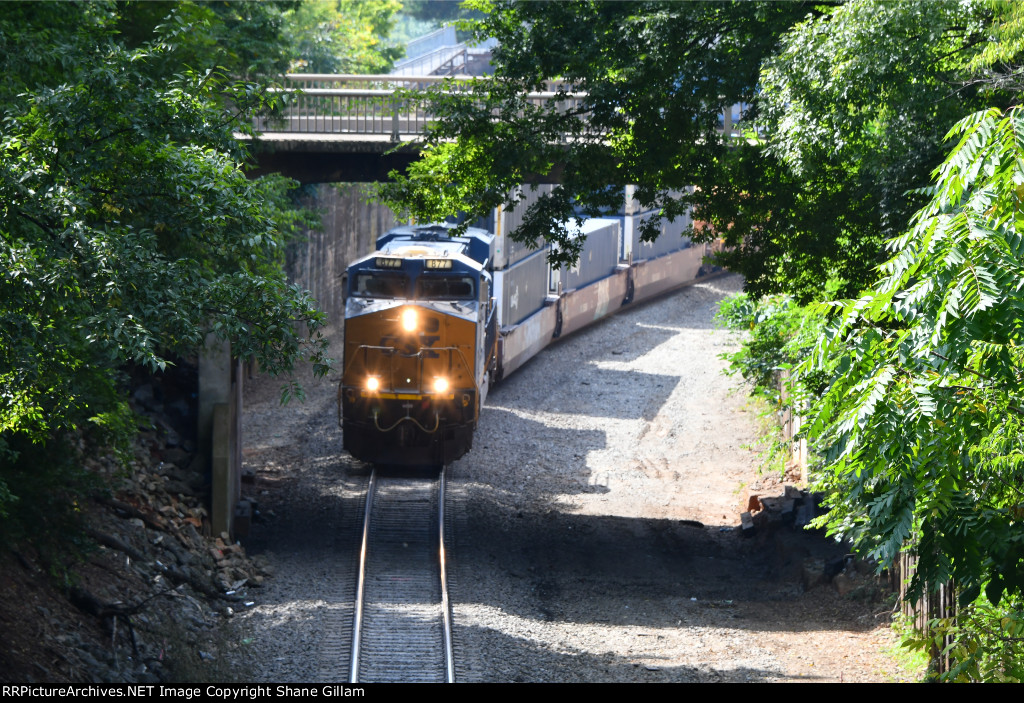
[361, 127]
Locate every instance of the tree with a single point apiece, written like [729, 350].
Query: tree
[242, 37]
[428, 15]
[656, 76]
[342, 36]
[997, 67]
[128, 230]
[850, 102]
[853, 109]
[923, 422]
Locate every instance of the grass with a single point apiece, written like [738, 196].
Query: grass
[912, 663]
[772, 449]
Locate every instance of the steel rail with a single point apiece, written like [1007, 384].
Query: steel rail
[439, 578]
[357, 623]
[446, 614]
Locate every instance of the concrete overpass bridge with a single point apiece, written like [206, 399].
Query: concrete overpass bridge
[340, 128]
[353, 128]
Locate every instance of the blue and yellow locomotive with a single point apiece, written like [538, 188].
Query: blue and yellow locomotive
[420, 346]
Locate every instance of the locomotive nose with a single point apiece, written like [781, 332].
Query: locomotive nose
[410, 319]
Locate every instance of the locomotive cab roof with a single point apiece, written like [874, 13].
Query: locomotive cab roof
[475, 243]
[421, 263]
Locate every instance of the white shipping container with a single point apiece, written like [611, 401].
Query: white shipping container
[600, 254]
[506, 220]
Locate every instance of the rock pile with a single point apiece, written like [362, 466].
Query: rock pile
[163, 516]
[152, 601]
[795, 508]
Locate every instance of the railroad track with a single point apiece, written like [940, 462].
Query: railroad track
[402, 621]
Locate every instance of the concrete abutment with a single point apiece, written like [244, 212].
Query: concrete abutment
[315, 261]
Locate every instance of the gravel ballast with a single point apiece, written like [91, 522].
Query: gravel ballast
[594, 524]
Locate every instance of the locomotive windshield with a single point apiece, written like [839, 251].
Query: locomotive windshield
[381, 285]
[445, 288]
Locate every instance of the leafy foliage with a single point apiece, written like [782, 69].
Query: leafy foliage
[128, 230]
[923, 421]
[657, 76]
[997, 65]
[852, 111]
[242, 37]
[341, 36]
[780, 335]
[985, 642]
[849, 102]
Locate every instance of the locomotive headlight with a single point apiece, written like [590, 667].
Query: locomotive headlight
[372, 383]
[440, 384]
[410, 319]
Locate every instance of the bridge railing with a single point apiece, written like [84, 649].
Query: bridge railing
[377, 107]
[370, 105]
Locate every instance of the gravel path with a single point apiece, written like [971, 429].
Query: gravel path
[594, 524]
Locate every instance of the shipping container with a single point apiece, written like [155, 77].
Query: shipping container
[522, 288]
[599, 257]
[505, 220]
[627, 204]
[673, 235]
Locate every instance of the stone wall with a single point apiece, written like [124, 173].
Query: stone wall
[351, 224]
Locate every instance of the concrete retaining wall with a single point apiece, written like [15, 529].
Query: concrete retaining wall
[351, 225]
